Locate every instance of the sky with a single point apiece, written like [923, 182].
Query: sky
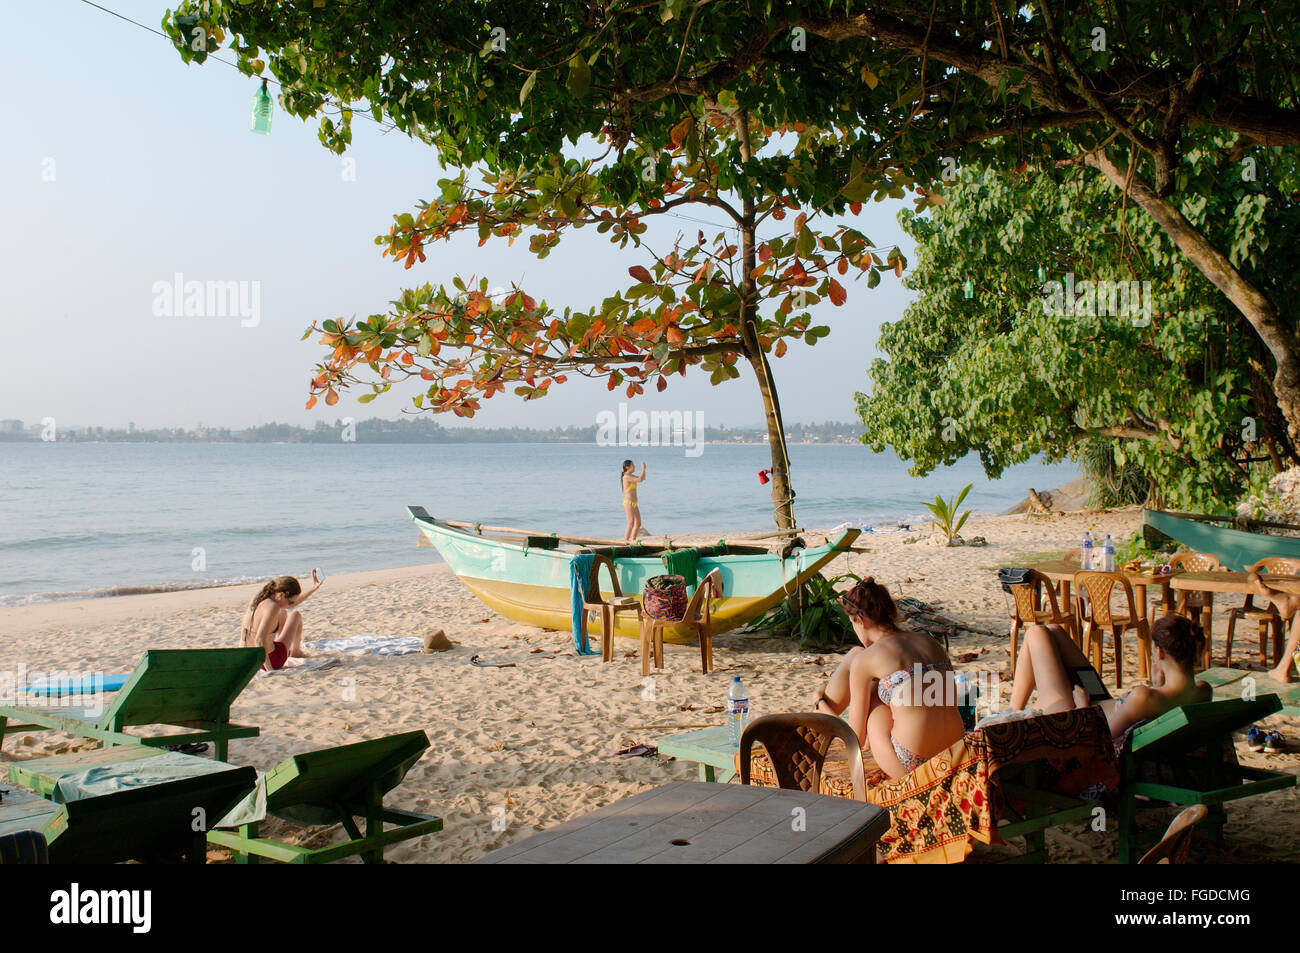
[122, 167]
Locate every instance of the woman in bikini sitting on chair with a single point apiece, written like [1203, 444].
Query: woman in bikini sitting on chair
[272, 621]
[897, 686]
[1052, 664]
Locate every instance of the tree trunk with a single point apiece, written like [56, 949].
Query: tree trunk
[782, 493]
[1253, 304]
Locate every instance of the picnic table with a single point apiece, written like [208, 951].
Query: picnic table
[690, 822]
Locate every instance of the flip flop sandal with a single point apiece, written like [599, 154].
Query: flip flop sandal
[637, 751]
[1274, 742]
[193, 747]
[474, 660]
[1255, 738]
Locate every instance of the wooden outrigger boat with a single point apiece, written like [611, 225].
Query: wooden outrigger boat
[525, 577]
[1236, 548]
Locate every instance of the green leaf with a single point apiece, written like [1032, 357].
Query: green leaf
[527, 88]
[579, 76]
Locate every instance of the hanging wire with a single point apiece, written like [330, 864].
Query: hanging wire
[266, 79]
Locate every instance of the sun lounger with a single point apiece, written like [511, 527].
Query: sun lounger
[190, 688]
[127, 802]
[336, 786]
[1186, 757]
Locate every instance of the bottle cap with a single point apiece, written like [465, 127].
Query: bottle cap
[735, 678]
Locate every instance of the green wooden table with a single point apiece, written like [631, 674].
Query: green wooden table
[710, 747]
[1229, 683]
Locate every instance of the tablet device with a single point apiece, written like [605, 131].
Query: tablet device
[1086, 677]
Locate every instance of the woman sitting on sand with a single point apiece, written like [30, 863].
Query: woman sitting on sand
[272, 621]
[898, 686]
[628, 480]
[1051, 663]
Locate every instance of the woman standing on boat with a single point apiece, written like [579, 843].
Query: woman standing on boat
[272, 621]
[629, 480]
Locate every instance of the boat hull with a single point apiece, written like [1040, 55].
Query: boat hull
[1235, 548]
[532, 586]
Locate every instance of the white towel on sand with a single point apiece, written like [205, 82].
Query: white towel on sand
[368, 644]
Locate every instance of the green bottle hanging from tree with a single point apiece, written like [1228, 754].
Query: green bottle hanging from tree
[262, 111]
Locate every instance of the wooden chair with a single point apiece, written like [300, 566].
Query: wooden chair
[1173, 847]
[1025, 602]
[1186, 756]
[608, 609]
[797, 744]
[149, 812]
[188, 688]
[1267, 616]
[697, 617]
[1198, 606]
[337, 786]
[1098, 587]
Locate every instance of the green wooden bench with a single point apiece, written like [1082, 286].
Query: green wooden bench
[188, 688]
[150, 818]
[336, 786]
[1186, 757]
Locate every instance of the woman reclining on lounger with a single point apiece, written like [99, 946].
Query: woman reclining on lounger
[898, 686]
[273, 623]
[1051, 663]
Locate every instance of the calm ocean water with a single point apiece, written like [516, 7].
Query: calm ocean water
[90, 519]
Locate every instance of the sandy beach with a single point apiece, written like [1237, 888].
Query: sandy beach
[515, 750]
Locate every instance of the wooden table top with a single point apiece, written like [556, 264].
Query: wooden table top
[695, 822]
[1230, 582]
[1064, 569]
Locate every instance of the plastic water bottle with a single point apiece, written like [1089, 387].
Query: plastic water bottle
[737, 710]
[1108, 555]
[1085, 551]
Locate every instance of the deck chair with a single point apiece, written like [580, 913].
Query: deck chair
[696, 617]
[608, 608]
[189, 688]
[1186, 757]
[336, 786]
[1173, 847]
[149, 812]
[1266, 617]
[24, 847]
[1197, 606]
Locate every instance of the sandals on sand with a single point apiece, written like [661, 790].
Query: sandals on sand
[1255, 738]
[1274, 742]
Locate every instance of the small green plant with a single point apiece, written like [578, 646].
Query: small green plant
[946, 519]
[815, 618]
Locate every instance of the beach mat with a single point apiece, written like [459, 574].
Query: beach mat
[78, 686]
[293, 666]
[367, 644]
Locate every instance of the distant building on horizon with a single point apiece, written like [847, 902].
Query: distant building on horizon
[11, 426]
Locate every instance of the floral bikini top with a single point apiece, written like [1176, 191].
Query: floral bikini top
[891, 683]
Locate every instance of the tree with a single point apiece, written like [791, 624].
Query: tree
[895, 94]
[711, 302]
[1048, 323]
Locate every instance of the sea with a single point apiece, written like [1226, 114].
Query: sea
[85, 519]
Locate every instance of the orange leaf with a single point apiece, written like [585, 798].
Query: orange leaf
[838, 294]
[780, 348]
[408, 359]
[674, 334]
[898, 267]
[764, 252]
[855, 207]
[331, 397]
[681, 131]
[661, 385]
[641, 273]
[843, 266]
[529, 304]
[311, 402]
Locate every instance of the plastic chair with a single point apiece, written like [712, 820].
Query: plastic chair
[1098, 587]
[697, 617]
[1025, 611]
[608, 608]
[1197, 606]
[1267, 616]
[1173, 847]
[797, 744]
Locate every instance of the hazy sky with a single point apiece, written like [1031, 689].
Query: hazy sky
[122, 167]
